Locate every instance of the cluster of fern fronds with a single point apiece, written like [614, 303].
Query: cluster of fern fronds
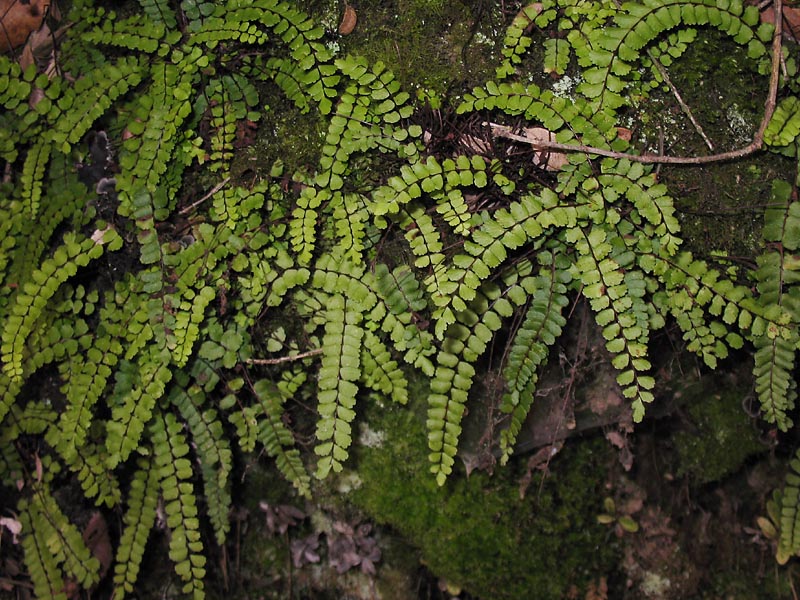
[178, 328]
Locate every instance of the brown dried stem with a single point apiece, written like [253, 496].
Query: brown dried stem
[283, 359]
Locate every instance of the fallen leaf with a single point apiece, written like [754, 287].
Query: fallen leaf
[552, 161]
[791, 20]
[95, 535]
[18, 19]
[14, 527]
[349, 20]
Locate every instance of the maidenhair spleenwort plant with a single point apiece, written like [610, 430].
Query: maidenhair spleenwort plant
[179, 328]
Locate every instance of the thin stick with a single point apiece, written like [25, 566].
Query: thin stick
[283, 359]
[214, 190]
[7, 581]
[755, 145]
[684, 107]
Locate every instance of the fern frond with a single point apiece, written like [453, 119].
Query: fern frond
[137, 389]
[789, 526]
[213, 453]
[301, 36]
[139, 519]
[637, 25]
[138, 32]
[778, 276]
[380, 372]
[276, 438]
[784, 127]
[42, 565]
[86, 378]
[49, 531]
[540, 328]
[159, 11]
[465, 340]
[170, 451]
[44, 282]
[616, 293]
[90, 98]
[404, 301]
[33, 173]
[515, 43]
[338, 377]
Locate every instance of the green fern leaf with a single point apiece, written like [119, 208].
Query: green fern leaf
[139, 520]
[138, 388]
[466, 339]
[175, 472]
[784, 127]
[789, 540]
[340, 370]
[778, 276]
[213, 450]
[33, 172]
[556, 56]
[44, 282]
[540, 328]
[52, 533]
[159, 11]
[276, 438]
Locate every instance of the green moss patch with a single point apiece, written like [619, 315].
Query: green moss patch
[724, 437]
[477, 533]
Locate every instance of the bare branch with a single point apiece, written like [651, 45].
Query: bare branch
[214, 190]
[283, 359]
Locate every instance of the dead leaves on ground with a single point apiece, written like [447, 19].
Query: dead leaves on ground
[25, 31]
[18, 19]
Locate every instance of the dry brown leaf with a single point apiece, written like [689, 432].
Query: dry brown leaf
[539, 461]
[545, 159]
[349, 20]
[99, 543]
[597, 591]
[18, 19]
[791, 20]
[552, 161]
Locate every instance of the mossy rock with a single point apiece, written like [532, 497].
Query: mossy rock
[477, 533]
[723, 437]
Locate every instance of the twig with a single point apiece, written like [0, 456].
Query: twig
[214, 190]
[7, 581]
[283, 359]
[684, 107]
[755, 145]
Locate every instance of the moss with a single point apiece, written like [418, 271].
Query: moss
[477, 533]
[422, 41]
[721, 204]
[723, 437]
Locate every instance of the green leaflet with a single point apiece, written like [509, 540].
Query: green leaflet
[338, 377]
[539, 330]
[351, 278]
[616, 294]
[784, 126]
[466, 339]
[212, 448]
[789, 540]
[139, 519]
[170, 451]
[275, 436]
[556, 56]
[53, 544]
[777, 279]
[32, 298]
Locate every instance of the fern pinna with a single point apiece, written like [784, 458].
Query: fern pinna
[181, 329]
